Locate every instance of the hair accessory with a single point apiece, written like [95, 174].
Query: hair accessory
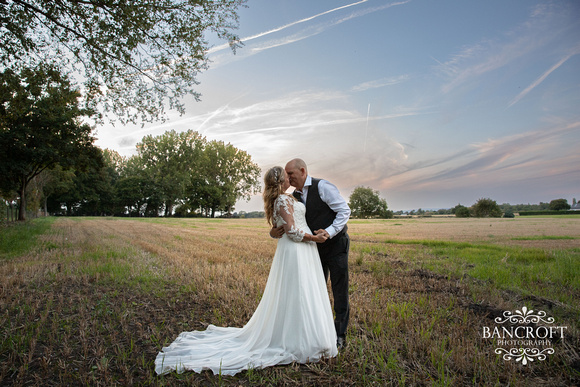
[276, 174]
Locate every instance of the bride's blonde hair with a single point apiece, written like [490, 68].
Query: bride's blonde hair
[273, 181]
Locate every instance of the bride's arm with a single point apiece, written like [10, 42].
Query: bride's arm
[286, 211]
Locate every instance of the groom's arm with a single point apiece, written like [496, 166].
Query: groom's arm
[331, 196]
[277, 232]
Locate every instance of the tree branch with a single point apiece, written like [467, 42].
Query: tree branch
[83, 37]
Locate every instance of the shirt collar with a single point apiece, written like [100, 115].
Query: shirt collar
[308, 181]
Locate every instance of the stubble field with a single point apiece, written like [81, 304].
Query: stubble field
[90, 301]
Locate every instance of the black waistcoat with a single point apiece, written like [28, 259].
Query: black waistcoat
[318, 214]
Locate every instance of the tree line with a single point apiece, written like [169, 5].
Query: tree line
[48, 159]
[367, 203]
[174, 174]
[486, 207]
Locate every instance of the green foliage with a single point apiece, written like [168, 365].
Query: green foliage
[535, 213]
[134, 56]
[461, 211]
[88, 191]
[486, 208]
[198, 175]
[364, 202]
[524, 207]
[40, 126]
[174, 173]
[508, 214]
[226, 175]
[559, 204]
[167, 160]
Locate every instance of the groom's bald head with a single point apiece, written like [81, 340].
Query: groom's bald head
[297, 172]
[298, 163]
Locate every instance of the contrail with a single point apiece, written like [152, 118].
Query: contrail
[259, 35]
[367, 128]
[541, 78]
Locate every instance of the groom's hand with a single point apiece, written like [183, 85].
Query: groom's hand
[323, 232]
[277, 232]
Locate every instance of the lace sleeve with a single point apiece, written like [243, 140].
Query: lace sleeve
[284, 208]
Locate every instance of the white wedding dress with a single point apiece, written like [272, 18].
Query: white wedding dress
[292, 323]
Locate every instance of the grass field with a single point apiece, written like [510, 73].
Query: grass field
[90, 301]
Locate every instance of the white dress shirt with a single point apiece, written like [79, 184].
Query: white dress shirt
[330, 195]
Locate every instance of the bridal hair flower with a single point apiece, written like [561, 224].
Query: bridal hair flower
[276, 174]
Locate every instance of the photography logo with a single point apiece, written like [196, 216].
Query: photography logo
[524, 336]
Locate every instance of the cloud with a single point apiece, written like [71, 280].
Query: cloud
[543, 77]
[521, 157]
[309, 29]
[320, 127]
[545, 25]
[127, 141]
[380, 83]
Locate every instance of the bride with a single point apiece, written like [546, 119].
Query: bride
[292, 323]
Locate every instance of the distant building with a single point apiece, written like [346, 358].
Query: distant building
[575, 207]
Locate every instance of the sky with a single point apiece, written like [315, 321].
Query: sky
[431, 103]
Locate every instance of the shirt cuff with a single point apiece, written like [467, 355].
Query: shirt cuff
[331, 232]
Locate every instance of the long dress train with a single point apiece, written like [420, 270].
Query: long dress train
[292, 323]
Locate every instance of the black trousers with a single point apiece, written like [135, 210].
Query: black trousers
[334, 259]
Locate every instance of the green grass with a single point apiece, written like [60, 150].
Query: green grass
[543, 237]
[547, 273]
[21, 237]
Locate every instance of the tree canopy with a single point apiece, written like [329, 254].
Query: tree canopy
[40, 126]
[366, 203]
[168, 160]
[559, 204]
[181, 174]
[486, 208]
[134, 56]
[461, 211]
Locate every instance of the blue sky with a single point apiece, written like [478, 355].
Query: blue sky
[432, 103]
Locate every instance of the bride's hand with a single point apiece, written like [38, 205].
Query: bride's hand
[323, 232]
[319, 238]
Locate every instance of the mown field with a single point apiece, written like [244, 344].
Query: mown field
[90, 301]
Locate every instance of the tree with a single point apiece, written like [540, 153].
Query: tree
[365, 203]
[509, 214]
[559, 204]
[226, 174]
[87, 191]
[185, 171]
[137, 191]
[168, 160]
[40, 126]
[58, 182]
[461, 211]
[486, 208]
[134, 56]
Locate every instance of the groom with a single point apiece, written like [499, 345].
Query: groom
[327, 212]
